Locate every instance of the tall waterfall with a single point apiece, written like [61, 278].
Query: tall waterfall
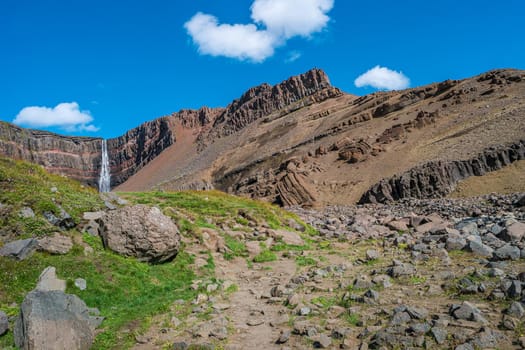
[104, 181]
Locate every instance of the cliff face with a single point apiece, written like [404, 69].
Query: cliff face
[80, 157]
[75, 157]
[437, 179]
[131, 151]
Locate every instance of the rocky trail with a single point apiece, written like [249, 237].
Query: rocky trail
[439, 274]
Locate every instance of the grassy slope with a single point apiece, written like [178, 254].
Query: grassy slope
[127, 292]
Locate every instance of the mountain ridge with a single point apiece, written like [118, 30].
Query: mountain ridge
[297, 132]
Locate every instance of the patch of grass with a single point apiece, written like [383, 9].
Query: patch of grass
[126, 291]
[305, 260]
[281, 246]
[417, 280]
[352, 319]
[265, 255]
[236, 248]
[23, 184]
[231, 289]
[325, 302]
[214, 205]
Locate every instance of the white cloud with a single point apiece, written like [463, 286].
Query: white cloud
[293, 56]
[235, 41]
[66, 116]
[275, 21]
[383, 78]
[289, 18]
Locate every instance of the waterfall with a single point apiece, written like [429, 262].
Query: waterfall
[104, 182]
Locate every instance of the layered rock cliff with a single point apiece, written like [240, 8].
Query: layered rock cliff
[260, 101]
[439, 178]
[75, 157]
[131, 151]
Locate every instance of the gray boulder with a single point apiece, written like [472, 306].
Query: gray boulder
[507, 252]
[4, 323]
[54, 320]
[48, 281]
[19, 250]
[513, 233]
[140, 231]
[26, 213]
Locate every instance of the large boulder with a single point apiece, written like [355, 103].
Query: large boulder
[51, 319]
[54, 320]
[140, 231]
[20, 249]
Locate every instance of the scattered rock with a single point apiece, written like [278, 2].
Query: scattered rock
[284, 337]
[54, 320]
[48, 281]
[81, 283]
[4, 323]
[27, 213]
[513, 233]
[63, 220]
[19, 250]
[372, 254]
[56, 244]
[140, 231]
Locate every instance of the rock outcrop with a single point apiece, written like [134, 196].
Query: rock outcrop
[260, 101]
[140, 231]
[51, 319]
[438, 178]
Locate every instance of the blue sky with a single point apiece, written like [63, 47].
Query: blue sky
[99, 68]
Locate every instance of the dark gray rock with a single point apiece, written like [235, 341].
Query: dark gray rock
[19, 250]
[480, 249]
[516, 310]
[400, 318]
[63, 220]
[284, 336]
[140, 231]
[4, 323]
[487, 338]
[513, 290]
[439, 334]
[54, 320]
[419, 328]
[417, 313]
[399, 269]
[507, 252]
[324, 342]
[455, 243]
[179, 346]
[465, 311]
[466, 346]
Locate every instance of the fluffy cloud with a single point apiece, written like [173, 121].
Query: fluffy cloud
[289, 18]
[242, 41]
[383, 78]
[66, 116]
[276, 21]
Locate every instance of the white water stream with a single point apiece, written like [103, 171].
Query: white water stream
[104, 181]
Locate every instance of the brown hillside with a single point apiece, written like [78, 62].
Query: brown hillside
[335, 146]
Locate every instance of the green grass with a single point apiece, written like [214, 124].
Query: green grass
[305, 260]
[236, 248]
[265, 255]
[352, 319]
[27, 185]
[127, 292]
[325, 302]
[214, 205]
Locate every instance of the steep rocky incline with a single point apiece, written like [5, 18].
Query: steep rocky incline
[438, 178]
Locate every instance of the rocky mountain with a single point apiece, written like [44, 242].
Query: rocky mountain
[304, 142]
